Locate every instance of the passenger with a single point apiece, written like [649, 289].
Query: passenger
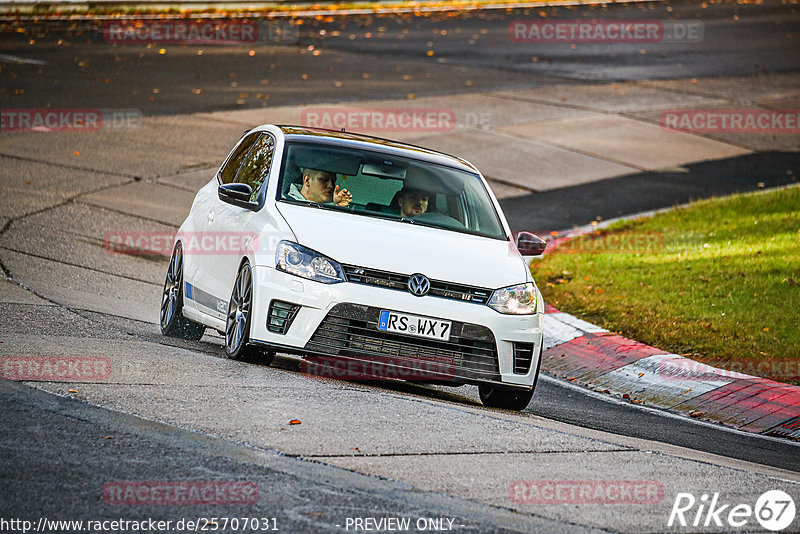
[410, 202]
[318, 186]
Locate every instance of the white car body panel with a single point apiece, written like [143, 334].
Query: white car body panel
[407, 248]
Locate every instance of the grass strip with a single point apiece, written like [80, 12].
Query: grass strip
[717, 281]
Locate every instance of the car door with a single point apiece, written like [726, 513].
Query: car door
[232, 227]
[199, 256]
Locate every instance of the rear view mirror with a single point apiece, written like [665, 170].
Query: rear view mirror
[237, 194]
[383, 169]
[530, 244]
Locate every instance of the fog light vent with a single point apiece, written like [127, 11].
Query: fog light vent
[280, 316]
[523, 356]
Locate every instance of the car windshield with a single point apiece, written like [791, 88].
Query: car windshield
[388, 187]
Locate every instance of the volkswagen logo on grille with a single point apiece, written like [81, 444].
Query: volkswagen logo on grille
[419, 285]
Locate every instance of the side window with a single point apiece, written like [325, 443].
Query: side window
[441, 203]
[228, 171]
[255, 169]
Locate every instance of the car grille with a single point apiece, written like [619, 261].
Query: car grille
[352, 330]
[389, 280]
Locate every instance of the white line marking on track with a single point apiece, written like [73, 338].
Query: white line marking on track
[21, 60]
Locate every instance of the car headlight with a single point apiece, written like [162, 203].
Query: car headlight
[301, 261]
[518, 300]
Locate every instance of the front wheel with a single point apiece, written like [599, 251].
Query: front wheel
[237, 324]
[508, 399]
[172, 321]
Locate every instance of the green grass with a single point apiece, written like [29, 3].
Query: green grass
[722, 287]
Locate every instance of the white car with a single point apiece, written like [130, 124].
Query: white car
[412, 272]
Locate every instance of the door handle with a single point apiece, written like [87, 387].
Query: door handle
[211, 216]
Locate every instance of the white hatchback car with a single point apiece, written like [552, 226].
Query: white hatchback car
[348, 248]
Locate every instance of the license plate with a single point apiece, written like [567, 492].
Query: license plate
[414, 325]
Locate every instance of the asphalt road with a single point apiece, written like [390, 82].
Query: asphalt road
[360, 58]
[471, 53]
[386, 56]
[61, 453]
[556, 400]
[60, 474]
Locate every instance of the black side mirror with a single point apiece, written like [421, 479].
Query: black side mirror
[237, 194]
[530, 244]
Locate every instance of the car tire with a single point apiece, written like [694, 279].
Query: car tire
[237, 322]
[507, 399]
[510, 399]
[171, 319]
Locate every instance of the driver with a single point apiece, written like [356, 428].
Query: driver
[318, 186]
[411, 202]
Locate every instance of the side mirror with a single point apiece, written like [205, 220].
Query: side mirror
[237, 194]
[530, 244]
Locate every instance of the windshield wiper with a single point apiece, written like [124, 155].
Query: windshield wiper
[386, 216]
[322, 206]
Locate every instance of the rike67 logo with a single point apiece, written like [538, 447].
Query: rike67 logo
[774, 510]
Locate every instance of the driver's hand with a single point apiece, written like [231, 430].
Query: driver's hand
[342, 198]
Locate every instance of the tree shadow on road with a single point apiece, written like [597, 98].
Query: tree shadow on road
[558, 209]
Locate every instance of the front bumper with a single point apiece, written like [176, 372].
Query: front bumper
[340, 320]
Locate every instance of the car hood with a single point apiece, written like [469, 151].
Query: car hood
[406, 249]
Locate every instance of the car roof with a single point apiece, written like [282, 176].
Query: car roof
[303, 133]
